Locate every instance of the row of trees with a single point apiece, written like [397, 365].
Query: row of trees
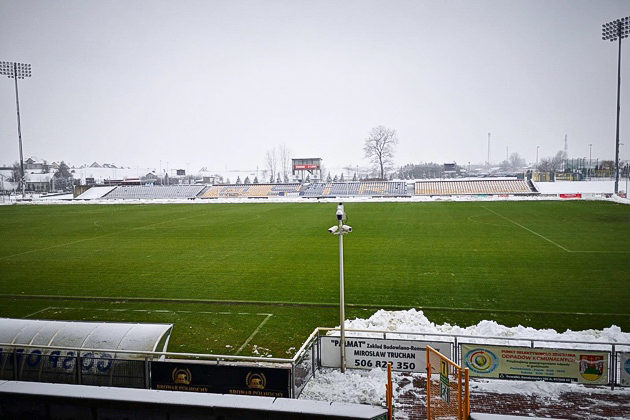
[378, 148]
[62, 179]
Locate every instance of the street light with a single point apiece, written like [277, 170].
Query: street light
[537, 147]
[341, 229]
[613, 31]
[16, 71]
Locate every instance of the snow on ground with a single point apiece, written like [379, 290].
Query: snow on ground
[368, 386]
[355, 386]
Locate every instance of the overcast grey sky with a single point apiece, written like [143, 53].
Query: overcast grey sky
[217, 83]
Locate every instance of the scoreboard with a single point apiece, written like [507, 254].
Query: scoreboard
[311, 166]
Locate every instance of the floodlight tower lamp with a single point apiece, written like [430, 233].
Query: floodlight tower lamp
[617, 30]
[17, 71]
[341, 229]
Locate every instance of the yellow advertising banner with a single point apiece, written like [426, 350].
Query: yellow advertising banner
[536, 364]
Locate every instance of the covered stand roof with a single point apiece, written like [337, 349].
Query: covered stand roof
[87, 335]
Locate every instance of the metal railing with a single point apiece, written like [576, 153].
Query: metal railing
[131, 368]
[107, 367]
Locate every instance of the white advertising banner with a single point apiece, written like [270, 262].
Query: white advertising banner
[368, 353]
[536, 364]
[624, 375]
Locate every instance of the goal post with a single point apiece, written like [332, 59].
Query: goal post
[448, 391]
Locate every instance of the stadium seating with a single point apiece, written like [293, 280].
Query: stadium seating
[350, 189]
[249, 190]
[319, 189]
[312, 190]
[485, 186]
[146, 192]
[322, 189]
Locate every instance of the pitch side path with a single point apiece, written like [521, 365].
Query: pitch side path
[258, 278]
[599, 404]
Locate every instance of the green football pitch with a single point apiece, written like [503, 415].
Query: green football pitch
[258, 278]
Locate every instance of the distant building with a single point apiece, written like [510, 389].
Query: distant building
[38, 182]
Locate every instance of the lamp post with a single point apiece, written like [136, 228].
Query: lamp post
[17, 71]
[537, 147]
[341, 229]
[612, 31]
[590, 159]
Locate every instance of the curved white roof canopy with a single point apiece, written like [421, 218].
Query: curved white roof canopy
[87, 335]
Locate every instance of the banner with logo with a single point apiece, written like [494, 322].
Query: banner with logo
[535, 364]
[368, 353]
[624, 361]
[221, 379]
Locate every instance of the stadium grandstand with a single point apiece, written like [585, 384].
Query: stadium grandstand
[325, 189]
[474, 187]
[350, 189]
[492, 186]
[147, 192]
[250, 190]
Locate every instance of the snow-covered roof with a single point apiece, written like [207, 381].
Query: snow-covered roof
[95, 192]
[88, 335]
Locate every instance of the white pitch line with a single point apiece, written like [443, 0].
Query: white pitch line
[354, 305]
[528, 229]
[40, 311]
[264, 321]
[252, 335]
[68, 308]
[555, 243]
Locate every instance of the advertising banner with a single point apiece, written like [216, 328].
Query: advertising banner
[535, 364]
[367, 353]
[221, 379]
[624, 375]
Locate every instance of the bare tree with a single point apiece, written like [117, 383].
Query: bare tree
[379, 147]
[285, 160]
[516, 161]
[551, 164]
[16, 174]
[271, 161]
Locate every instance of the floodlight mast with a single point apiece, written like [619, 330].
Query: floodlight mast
[340, 230]
[613, 31]
[16, 71]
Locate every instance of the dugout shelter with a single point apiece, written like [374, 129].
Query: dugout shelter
[91, 353]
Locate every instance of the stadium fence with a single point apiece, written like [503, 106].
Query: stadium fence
[616, 353]
[132, 369]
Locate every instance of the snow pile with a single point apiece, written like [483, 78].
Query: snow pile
[413, 321]
[354, 386]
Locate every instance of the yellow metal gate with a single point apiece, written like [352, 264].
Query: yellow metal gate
[448, 393]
